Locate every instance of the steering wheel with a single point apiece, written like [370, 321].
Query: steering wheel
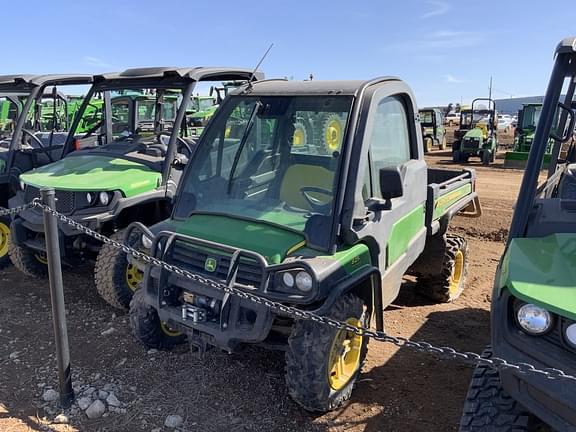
[181, 143]
[315, 203]
[32, 136]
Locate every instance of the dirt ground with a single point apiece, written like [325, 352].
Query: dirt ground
[400, 390]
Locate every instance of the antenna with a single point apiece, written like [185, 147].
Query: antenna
[258, 65]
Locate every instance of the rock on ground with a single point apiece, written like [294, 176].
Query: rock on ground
[173, 421]
[50, 395]
[96, 409]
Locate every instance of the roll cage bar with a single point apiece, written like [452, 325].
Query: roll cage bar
[564, 68]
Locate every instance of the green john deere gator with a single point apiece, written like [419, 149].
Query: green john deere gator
[477, 134]
[433, 131]
[534, 297]
[328, 221]
[125, 168]
[201, 110]
[32, 134]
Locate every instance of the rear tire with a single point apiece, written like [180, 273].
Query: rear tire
[442, 145]
[147, 327]
[28, 261]
[4, 241]
[322, 363]
[488, 408]
[448, 285]
[428, 144]
[116, 279]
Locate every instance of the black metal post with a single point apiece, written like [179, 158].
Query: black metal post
[57, 299]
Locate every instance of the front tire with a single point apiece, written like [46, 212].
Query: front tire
[488, 408]
[116, 279]
[28, 261]
[448, 285]
[486, 157]
[322, 363]
[443, 144]
[4, 241]
[428, 144]
[147, 327]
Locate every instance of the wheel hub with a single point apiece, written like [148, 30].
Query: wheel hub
[345, 354]
[133, 277]
[4, 239]
[456, 276]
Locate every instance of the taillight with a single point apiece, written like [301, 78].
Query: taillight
[76, 144]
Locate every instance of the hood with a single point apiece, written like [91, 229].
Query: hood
[94, 173]
[273, 242]
[543, 271]
[474, 133]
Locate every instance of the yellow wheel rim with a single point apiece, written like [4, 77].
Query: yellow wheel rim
[168, 331]
[4, 239]
[133, 277]
[457, 272]
[299, 138]
[344, 357]
[41, 258]
[333, 134]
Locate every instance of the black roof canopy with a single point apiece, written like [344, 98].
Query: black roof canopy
[27, 82]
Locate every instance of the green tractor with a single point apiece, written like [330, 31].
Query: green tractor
[125, 169]
[528, 118]
[32, 135]
[534, 297]
[477, 135]
[433, 131]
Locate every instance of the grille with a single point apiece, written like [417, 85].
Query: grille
[64, 199]
[471, 144]
[194, 259]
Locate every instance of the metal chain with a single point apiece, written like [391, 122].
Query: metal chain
[15, 210]
[292, 312]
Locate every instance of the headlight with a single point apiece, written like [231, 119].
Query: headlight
[22, 185]
[288, 279]
[303, 281]
[104, 198]
[146, 242]
[533, 319]
[571, 334]
[89, 198]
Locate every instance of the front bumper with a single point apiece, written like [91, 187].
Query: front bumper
[202, 309]
[551, 400]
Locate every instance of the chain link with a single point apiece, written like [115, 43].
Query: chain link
[15, 210]
[299, 314]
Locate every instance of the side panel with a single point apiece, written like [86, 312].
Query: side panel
[402, 233]
[444, 202]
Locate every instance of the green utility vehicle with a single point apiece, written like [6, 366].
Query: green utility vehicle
[125, 169]
[534, 297]
[29, 139]
[477, 134]
[433, 131]
[201, 110]
[331, 226]
[10, 108]
[528, 118]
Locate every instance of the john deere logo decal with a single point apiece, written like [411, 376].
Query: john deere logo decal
[210, 265]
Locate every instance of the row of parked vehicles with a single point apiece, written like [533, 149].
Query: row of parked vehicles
[314, 194]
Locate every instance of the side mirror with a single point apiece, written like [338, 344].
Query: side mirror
[391, 185]
[566, 134]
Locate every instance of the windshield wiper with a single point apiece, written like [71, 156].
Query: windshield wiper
[243, 141]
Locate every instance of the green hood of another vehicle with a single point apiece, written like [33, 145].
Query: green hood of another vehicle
[95, 173]
[474, 133]
[274, 243]
[543, 271]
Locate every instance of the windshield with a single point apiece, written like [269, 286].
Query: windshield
[273, 159]
[426, 118]
[471, 118]
[531, 116]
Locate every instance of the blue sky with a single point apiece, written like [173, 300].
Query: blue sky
[445, 50]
